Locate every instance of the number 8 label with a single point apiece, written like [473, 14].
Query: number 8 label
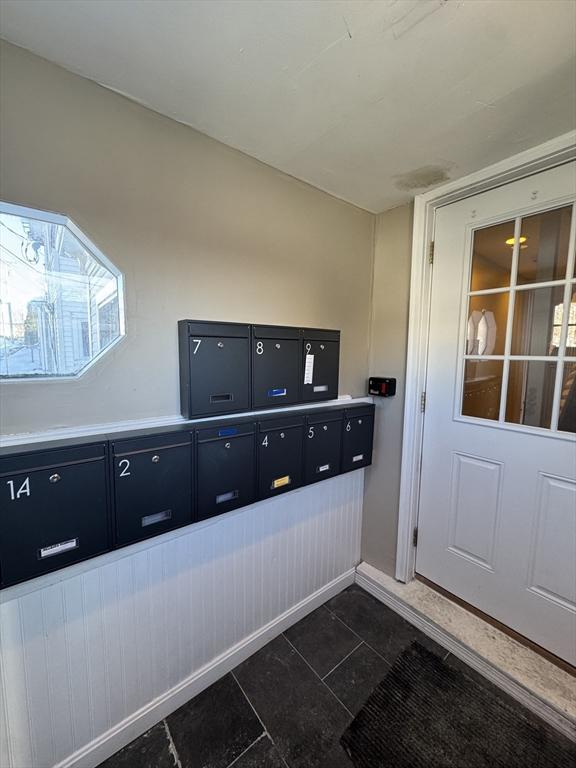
[260, 348]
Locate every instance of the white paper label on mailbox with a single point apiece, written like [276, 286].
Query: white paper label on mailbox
[324, 467]
[309, 369]
[56, 549]
[321, 388]
[358, 458]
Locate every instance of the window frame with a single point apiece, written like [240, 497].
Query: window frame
[65, 221]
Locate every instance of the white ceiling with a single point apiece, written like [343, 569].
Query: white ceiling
[370, 101]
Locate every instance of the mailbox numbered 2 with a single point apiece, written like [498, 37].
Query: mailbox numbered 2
[152, 485]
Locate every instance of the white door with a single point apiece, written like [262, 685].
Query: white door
[497, 518]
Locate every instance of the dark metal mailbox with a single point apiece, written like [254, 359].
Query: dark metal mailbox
[152, 485]
[214, 368]
[357, 436]
[279, 444]
[226, 468]
[320, 364]
[275, 366]
[54, 509]
[322, 445]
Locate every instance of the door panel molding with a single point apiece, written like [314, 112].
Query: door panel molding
[543, 157]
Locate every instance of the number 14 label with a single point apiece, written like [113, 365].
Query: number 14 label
[24, 489]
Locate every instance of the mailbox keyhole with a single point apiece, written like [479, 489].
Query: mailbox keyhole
[227, 445]
[282, 434]
[54, 478]
[220, 344]
[155, 459]
[277, 346]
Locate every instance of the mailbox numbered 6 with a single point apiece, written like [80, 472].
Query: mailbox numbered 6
[357, 438]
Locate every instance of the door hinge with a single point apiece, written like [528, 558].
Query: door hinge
[415, 537]
[431, 252]
[422, 402]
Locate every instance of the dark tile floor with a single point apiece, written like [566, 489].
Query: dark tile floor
[288, 704]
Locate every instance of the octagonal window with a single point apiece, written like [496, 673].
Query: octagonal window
[61, 299]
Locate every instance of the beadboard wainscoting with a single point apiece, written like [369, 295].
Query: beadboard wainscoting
[94, 655]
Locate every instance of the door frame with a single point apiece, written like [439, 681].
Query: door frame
[543, 157]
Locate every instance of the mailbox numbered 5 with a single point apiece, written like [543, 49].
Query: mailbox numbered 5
[322, 447]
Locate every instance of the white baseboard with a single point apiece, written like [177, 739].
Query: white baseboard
[530, 700]
[130, 728]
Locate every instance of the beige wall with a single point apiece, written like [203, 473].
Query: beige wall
[198, 229]
[391, 292]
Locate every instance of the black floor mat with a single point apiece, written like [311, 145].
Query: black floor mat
[426, 713]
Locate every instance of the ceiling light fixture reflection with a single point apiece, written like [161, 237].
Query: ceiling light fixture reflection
[511, 241]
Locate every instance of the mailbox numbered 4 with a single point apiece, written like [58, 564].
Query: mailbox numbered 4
[279, 456]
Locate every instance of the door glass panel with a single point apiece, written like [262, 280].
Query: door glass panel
[528, 348]
[537, 321]
[567, 415]
[544, 240]
[482, 386]
[570, 350]
[492, 257]
[530, 392]
[486, 332]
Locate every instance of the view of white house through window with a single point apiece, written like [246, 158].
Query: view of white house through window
[61, 303]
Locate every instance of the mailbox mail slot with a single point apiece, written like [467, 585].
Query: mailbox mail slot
[152, 485]
[54, 510]
[226, 468]
[357, 435]
[279, 455]
[320, 364]
[214, 368]
[275, 366]
[322, 446]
